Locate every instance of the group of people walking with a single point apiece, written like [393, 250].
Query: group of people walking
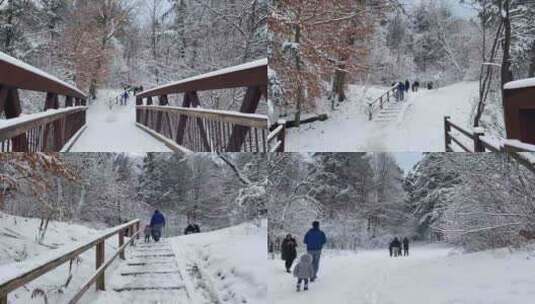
[405, 86]
[307, 268]
[399, 248]
[157, 224]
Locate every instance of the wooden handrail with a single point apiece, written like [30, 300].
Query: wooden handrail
[101, 269]
[18, 74]
[243, 119]
[27, 275]
[23, 124]
[251, 74]
[379, 100]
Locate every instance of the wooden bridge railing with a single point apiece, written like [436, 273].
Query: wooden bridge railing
[378, 104]
[203, 130]
[46, 131]
[22, 275]
[476, 141]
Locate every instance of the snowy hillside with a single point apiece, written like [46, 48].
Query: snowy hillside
[417, 124]
[18, 246]
[432, 274]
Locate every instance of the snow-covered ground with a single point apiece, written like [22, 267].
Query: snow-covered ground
[114, 130]
[419, 126]
[224, 266]
[18, 247]
[432, 274]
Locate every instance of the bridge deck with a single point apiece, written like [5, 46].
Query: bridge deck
[114, 130]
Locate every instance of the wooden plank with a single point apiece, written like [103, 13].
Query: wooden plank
[182, 120]
[251, 75]
[244, 119]
[100, 259]
[3, 97]
[249, 105]
[18, 74]
[121, 243]
[99, 271]
[30, 275]
[17, 129]
[13, 109]
[195, 102]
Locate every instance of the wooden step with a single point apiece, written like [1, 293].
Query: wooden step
[150, 263]
[154, 255]
[147, 273]
[140, 288]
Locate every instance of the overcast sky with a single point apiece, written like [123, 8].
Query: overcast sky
[407, 160]
[459, 8]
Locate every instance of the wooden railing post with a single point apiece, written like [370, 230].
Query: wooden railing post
[478, 144]
[100, 258]
[137, 229]
[3, 299]
[121, 243]
[447, 130]
[381, 102]
[282, 136]
[370, 111]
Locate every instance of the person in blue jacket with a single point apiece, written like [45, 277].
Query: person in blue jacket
[315, 239]
[157, 222]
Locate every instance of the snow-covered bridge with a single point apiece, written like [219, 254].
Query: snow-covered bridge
[72, 125]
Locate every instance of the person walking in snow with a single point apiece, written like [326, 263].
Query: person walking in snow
[157, 222]
[407, 85]
[125, 97]
[401, 90]
[192, 228]
[405, 246]
[315, 239]
[304, 270]
[395, 247]
[147, 232]
[288, 251]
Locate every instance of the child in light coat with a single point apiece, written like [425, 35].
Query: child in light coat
[303, 271]
[147, 232]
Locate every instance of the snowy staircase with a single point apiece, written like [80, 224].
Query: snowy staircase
[389, 113]
[151, 275]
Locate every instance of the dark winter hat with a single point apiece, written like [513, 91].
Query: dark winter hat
[315, 224]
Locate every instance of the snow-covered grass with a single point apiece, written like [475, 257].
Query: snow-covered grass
[432, 274]
[114, 130]
[419, 127]
[19, 248]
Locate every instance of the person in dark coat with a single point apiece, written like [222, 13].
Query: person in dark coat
[157, 222]
[401, 90]
[395, 247]
[407, 85]
[430, 85]
[192, 228]
[405, 247]
[288, 251]
[315, 239]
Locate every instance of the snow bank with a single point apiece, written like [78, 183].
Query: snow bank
[232, 262]
[518, 84]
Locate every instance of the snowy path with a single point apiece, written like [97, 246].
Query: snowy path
[417, 124]
[114, 130]
[206, 268]
[429, 275]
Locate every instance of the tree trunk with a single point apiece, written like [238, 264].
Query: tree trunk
[506, 73]
[299, 100]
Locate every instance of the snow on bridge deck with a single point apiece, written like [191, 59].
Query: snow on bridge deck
[114, 130]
